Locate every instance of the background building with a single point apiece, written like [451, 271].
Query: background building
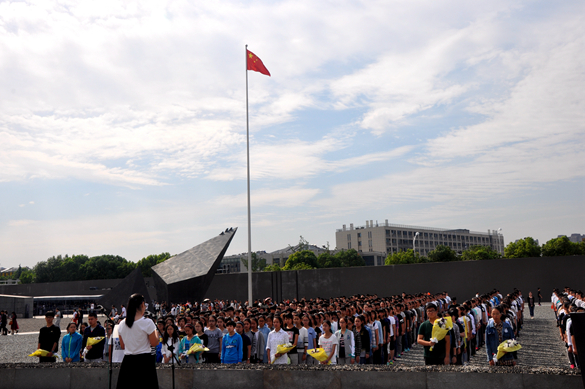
[393, 238]
[575, 238]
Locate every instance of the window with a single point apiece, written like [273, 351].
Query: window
[370, 243]
[359, 234]
[359, 243]
[348, 237]
[369, 234]
[349, 245]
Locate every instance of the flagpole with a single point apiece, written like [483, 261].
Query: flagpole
[250, 301]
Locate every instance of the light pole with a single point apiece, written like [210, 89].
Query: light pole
[414, 247]
[500, 248]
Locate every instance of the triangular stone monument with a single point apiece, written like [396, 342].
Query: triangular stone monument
[187, 276]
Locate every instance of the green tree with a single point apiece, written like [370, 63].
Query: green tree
[258, 263]
[305, 256]
[147, 263]
[327, 259]
[300, 266]
[350, 258]
[442, 254]
[560, 246]
[478, 253]
[27, 277]
[404, 257]
[523, 248]
[273, 267]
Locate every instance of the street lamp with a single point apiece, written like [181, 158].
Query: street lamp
[500, 244]
[414, 247]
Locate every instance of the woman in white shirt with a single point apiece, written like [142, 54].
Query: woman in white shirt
[137, 334]
[170, 344]
[276, 337]
[328, 341]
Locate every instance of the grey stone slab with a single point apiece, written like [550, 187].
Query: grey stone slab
[187, 276]
[436, 380]
[227, 379]
[383, 379]
[325, 379]
[183, 378]
[97, 377]
[45, 378]
[544, 381]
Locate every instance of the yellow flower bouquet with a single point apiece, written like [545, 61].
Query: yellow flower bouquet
[319, 354]
[507, 346]
[43, 353]
[441, 328]
[197, 348]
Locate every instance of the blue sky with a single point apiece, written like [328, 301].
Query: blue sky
[123, 123]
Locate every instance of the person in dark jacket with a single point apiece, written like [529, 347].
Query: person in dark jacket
[95, 353]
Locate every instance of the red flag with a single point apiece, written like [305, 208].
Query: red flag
[255, 64]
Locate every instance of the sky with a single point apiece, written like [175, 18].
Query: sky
[123, 124]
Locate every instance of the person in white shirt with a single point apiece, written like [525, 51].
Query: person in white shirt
[276, 337]
[303, 341]
[137, 335]
[329, 342]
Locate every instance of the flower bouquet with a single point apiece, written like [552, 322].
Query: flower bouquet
[43, 353]
[196, 348]
[91, 342]
[283, 349]
[441, 328]
[319, 354]
[507, 346]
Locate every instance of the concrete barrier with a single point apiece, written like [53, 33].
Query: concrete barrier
[220, 377]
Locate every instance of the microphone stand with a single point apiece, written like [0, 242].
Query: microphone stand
[172, 350]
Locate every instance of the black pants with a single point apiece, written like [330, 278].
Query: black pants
[430, 361]
[211, 357]
[138, 371]
[47, 359]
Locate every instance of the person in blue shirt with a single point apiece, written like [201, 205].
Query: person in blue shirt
[264, 330]
[232, 345]
[71, 344]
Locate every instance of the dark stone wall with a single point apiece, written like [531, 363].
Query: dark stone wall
[460, 279]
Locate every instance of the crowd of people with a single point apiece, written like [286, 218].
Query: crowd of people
[8, 321]
[361, 329]
[563, 304]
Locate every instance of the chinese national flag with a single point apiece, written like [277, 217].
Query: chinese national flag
[255, 64]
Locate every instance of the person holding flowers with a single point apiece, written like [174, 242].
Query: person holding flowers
[188, 340]
[436, 351]
[498, 331]
[276, 338]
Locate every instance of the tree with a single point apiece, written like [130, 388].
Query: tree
[478, 253]
[305, 256]
[27, 277]
[301, 266]
[258, 263]
[273, 267]
[523, 248]
[404, 257]
[560, 246]
[350, 258]
[327, 259]
[442, 254]
[147, 263]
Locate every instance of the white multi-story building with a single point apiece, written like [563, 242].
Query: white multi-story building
[393, 238]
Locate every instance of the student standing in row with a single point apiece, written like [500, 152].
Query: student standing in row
[71, 344]
[49, 338]
[439, 355]
[231, 345]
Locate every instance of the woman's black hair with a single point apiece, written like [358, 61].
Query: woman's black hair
[69, 325]
[134, 303]
[175, 334]
[329, 324]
